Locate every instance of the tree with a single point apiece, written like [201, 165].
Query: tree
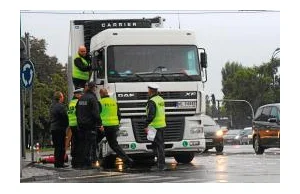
[50, 77]
[254, 84]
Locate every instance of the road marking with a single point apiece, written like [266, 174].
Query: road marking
[103, 174]
[182, 180]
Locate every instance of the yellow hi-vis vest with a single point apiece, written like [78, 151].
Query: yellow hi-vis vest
[71, 113]
[109, 113]
[77, 73]
[159, 120]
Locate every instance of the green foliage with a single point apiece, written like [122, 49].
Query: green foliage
[50, 76]
[258, 85]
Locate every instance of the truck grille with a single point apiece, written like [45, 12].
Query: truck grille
[134, 103]
[173, 131]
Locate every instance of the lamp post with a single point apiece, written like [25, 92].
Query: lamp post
[275, 53]
[277, 50]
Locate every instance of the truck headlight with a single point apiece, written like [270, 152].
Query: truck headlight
[122, 133]
[196, 130]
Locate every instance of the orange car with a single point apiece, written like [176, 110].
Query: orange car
[266, 128]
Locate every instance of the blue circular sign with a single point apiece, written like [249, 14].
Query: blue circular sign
[27, 74]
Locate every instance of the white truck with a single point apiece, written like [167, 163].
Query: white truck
[126, 59]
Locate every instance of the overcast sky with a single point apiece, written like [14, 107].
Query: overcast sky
[247, 38]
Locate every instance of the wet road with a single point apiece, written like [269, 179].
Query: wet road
[237, 164]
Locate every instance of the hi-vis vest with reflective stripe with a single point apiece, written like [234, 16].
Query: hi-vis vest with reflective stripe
[77, 73]
[71, 113]
[159, 120]
[109, 113]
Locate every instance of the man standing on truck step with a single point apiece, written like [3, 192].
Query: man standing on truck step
[88, 122]
[73, 126]
[155, 112]
[81, 68]
[110, 116]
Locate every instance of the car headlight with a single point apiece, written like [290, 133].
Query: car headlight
[219, 133]
[237, 137]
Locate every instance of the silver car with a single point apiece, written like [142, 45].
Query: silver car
[213, 134]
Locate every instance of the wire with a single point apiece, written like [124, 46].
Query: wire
[189, 12]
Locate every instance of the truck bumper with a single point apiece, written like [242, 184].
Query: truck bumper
[192, 145]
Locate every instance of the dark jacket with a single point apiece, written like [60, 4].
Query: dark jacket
[151, 111]
[87, 111]
[58, 117]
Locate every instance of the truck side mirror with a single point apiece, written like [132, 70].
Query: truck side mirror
[203, 58]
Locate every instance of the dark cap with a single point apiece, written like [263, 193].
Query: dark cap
[92, 85]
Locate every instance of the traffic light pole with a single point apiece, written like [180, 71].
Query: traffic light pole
[230, 100]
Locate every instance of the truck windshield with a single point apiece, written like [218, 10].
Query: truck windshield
[152, 63]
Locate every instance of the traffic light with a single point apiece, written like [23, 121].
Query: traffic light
[213, 99]
[23, 52]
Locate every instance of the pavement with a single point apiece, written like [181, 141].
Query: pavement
[45, 172]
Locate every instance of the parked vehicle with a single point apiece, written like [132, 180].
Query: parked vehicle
[126, 55]
[232, 137]
[213, 134]
[266, 128]
[247, 136]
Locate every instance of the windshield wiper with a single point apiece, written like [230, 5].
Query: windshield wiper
[139, 76]
[179, 73]
[152, 73]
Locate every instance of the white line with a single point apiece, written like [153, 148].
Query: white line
[164, 178]
[92, 176]
[182, 180]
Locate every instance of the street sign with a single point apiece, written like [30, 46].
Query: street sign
[27, 74]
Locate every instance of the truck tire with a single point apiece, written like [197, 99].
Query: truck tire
[109, 161]
[144, 159]
[184, 158]
[257, 148]
[219, 149]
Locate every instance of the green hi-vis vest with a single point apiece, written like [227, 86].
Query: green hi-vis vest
[159, 120]
[71, 113]
[109, 113]
[77, 73]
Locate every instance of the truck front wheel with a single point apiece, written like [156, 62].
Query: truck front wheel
[184, 157]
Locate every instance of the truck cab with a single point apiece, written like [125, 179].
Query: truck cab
[125, 60]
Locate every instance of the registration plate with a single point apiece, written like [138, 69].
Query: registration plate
[209, 140]
[186, 104]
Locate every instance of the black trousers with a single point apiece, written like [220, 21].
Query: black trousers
[159, 147]
[74, 144]
[87, 139]
[58, 138]
[78, 83]
[111, 136]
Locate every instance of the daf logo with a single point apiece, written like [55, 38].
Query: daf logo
[190, 94]
[126, 95]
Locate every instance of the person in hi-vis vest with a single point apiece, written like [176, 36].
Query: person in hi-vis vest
[81, 68]
[72, 133]
[155, 112]
[110, 116]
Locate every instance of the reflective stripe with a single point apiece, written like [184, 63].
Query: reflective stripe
[109, 113]
[72, 113]
[159, 120]
[77, 73]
